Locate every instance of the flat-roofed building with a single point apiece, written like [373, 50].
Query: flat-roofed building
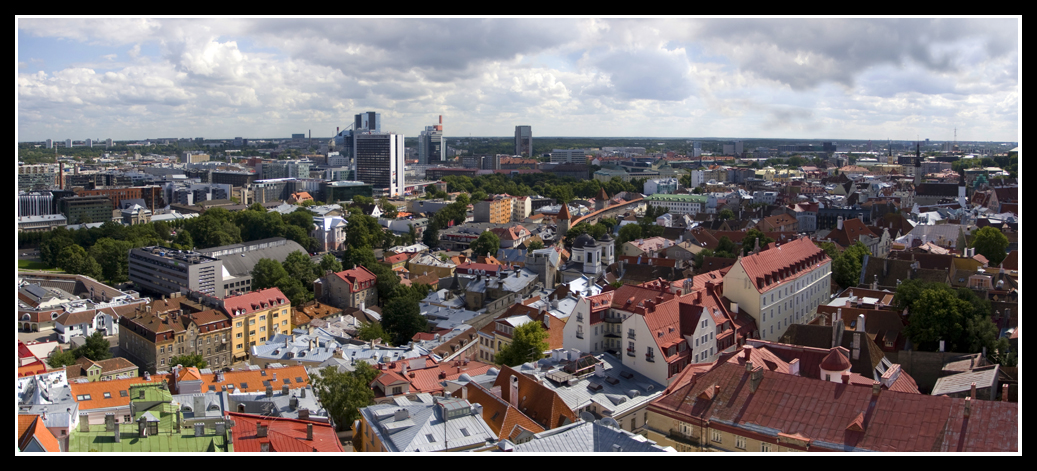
[166, 271]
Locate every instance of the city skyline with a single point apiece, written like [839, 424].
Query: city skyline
[821, 78]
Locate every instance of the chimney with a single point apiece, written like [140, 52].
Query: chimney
[513, 391]
[261, 430]
[269, 391]
[199, 429]
[794, 367]
[968, 406]
[941, 345]
[846, 377]
[748, 349]
[755, 378]
[876, 389]
[860, 323]
[265, 446]
[309, 432]
[972, 391]
[1004, 392]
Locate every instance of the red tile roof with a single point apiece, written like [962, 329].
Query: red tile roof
[835, 360]
[283, 435]
[357, 275]
[96, 390]
[501, 416]
[540, 403]
[821, 411]
[255, 301]
[30, 426]
[772, 268]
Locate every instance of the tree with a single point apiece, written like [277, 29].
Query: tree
[991, 243]
[402, 318]
[329, 262]
[343, 394]
[61, 358]
[528, 343]
[189, 360]
[628, 233]
[183, 238]
[727, 246]
[846, 268]
[725, 214]
[936, 315]
[96, 348]
[371, 331]
[388, 209]
[267, 273]
[73, 259]
[114, 258]
[487, 244]
[535, 245]
[298, 266]
[749, 241]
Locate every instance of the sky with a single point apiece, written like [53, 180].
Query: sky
[813, 78]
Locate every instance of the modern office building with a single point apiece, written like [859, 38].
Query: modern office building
[164, 271]
[35, 204]
[194, 157]
[524, 140]
[344, 190]
[86, 209]
[572, 156]
[50, 143]
[286, 169]
[367, 121]
[380, 160]
[430, 144]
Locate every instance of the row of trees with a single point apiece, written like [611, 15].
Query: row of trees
[294, 277]
[564, 189]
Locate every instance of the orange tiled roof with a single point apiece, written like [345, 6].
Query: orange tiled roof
[541, 404]
[115, 390]
[498, 413]
[283, 435]
[254, 379]
[30, 426]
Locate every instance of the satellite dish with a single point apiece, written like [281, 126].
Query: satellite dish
[586, 416]
[610, 422]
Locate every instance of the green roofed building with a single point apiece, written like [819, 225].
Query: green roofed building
[678, 204]
[157, 426]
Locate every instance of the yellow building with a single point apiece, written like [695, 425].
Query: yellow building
[256, 317]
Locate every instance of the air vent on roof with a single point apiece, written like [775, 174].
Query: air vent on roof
[612, 380]
[595, 387]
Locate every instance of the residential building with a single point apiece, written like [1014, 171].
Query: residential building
[355, 287]
[101, 370]
[256, 433]
[154, 338]
[34, 436]
[780, 286]
[497, 209]
[739, 404]
[256, 317]
[428, 425]
[664, 185]
[578, 156]
[86, 209]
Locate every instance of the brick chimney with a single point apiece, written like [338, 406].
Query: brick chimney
[755, 377]
[846, 377]
[309, 432]
[972, 391]
[794, 367]
[1004, 392]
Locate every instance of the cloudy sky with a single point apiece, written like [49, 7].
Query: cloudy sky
[269, 77]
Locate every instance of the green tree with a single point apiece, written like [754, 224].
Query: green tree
[73, 259]
[267, 273]
[528, 343]
[114, 258]
[329, 262]
[749, 241]
[535, 245]
[96, 348]
[298, 266]
[184, 239]
[487, 244]
[846, 268]
[725, 214]
[726, 245]
[991, 243]
[628, 233]
[189, 360]
[372, 331]
[402, 318]
[61, 358]
[936, 315]
[343, 394]
[830, 249]
[388, 209]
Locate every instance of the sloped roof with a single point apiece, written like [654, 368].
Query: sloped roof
[30, 426]
[97, 389]
[538, 402]
[498, 413]
[801, 254]
[255, 301]
[283, 435]
[821, 411]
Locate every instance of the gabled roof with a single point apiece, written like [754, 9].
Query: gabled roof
[536, 401]
[771, 268]
[821, 411]
[29, 427]
[254, 301]
[283, 435]
[114, 388]
[498, 413]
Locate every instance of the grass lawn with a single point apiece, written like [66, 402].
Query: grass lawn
[35, 265]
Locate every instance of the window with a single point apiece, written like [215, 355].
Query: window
[262, 318]
[127, 418]
[740, 443]
[717, 436]
[237, 324]
[238, 335]
[765, 447]
[107, 395]
[284, 322]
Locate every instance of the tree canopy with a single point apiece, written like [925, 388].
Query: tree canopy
[487, 244]
[991, 243]
[846, 268]
[96, 348]
[189, 360]
[528, 343]
[343, 394]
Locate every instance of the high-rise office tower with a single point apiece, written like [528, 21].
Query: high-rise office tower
[524, 140]
[89, 142]
[68, 143]
[430, 144]
[50, 144]
[367, 121]
[380, 160]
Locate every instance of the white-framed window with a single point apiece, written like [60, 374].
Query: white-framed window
[765, 447]
[716, 436]
[740, 443]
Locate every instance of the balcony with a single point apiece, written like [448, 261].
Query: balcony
[650, 357]
[630, 352]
